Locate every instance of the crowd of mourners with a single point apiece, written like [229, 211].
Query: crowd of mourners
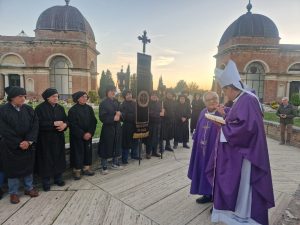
[33, 140]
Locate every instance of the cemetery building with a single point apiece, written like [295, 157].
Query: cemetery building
[270, 68]
[62, 54]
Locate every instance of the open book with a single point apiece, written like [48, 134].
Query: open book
[214, 118]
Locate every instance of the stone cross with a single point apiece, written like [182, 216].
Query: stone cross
[144, 40]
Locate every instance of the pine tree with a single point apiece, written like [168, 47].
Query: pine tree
[102, 85]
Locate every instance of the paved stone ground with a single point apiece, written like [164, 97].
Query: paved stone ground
[154, 193]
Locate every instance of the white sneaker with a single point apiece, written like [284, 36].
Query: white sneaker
[104, 172]
[116, 167]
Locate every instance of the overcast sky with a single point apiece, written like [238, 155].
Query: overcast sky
[184, 33]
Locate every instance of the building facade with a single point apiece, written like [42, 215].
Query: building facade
[270, 68]
[62, 54]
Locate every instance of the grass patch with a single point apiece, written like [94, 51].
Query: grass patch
[271, 116]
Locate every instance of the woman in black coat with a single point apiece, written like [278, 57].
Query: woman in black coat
[197, 107]
[82, 123]
[111, 133]
[51, 157]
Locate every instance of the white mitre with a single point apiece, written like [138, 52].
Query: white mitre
[230, 75]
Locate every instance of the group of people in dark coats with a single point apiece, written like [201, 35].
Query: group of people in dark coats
[34, 141]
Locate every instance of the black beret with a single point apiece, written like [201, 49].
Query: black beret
[48, 93]
[78, 95]
[110, 88]
[125, 92]
[12, 92]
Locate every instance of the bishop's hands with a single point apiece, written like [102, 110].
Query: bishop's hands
[220, 109]
[117, 116]
[183, 119]
[60, 125]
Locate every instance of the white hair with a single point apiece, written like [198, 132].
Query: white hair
[285, 98]
[210, 93]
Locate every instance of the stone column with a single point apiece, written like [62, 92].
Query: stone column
[22, 81]
[6, 80]
[288, 89]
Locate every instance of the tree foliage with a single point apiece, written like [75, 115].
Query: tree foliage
[295, 99]
[180, 86]
[105, 80]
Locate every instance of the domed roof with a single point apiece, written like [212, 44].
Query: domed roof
[64, 18]
[250, 25]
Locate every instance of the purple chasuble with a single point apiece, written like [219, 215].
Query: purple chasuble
[246, 139]
[205, 137]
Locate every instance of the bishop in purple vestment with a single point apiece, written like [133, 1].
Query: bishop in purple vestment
[240, 170]
[205, 137]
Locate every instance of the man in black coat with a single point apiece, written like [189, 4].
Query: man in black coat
[168, 119]
[182, 116]
[51, 157]
[110, 139]
[128, 110]
[82, 124]
[155, 113]
[19, 130]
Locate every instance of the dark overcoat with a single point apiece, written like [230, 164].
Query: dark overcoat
[15, 127]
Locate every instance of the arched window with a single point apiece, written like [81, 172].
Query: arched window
[255, 78]
[295, 68]
[60, 77]
[30, 85]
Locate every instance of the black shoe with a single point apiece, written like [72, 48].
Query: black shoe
[186, 146]
[136, 158]
[1, 193]
[175, 147]
[211, 210]
[60, 183]
[46, 188]
[124, 162]
[204, 199]
[156, 154]
[168, 148]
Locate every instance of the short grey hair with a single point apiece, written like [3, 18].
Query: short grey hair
[210, 93]
[285, 98]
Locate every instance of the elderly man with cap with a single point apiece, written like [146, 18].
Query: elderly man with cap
[128, 110]
[155, 113]
[182, 116]
[82, 124]
[168, 121]
[286, 114]
[51, 158]
[240, 169]
[18, 131]
[111, 133]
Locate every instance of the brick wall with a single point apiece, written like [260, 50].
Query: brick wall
[273, 131]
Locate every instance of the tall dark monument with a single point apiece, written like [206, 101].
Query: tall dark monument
[144, 82]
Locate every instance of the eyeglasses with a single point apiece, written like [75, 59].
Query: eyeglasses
[211, 99]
